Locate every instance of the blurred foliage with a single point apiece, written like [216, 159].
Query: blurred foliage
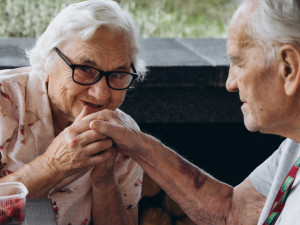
[155, 18]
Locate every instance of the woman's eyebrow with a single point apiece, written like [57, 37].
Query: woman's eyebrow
[85, 61]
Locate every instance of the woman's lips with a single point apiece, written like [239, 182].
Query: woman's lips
[92, 105]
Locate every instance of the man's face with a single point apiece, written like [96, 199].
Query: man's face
[260, 87]
[106, 51]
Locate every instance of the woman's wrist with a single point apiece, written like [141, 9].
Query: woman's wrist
[48, 169]
[108, 185]
[43, 175]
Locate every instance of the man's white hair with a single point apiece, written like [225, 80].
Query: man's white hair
[82, 20]
[273, 23]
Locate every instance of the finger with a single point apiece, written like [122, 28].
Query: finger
[90, 136]
[105, 114]
[84, 112]
[107, 129]
[98, 147]
[100, 158]
[81, 123]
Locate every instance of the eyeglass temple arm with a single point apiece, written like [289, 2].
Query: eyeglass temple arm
[133, 68]
[63, 57]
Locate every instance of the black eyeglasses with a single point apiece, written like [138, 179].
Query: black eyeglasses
[87, 75]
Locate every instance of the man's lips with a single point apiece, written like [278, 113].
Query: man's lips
[242, 100]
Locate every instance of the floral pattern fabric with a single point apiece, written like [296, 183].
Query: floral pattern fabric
[26, 130]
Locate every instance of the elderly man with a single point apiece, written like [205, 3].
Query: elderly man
[264, 48]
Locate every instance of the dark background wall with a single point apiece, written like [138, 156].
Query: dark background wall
[227, 151]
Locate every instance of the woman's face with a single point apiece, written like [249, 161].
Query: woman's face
[107, 51]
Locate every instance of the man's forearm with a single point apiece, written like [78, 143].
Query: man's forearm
[108, 207]
[204, 199]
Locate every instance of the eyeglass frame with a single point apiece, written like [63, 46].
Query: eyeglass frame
[101, 72]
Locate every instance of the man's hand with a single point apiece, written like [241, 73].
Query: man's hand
[121, 128]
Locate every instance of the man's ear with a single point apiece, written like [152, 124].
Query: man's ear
[290, 68]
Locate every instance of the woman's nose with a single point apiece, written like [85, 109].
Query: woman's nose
[100, 90]
[231, 83]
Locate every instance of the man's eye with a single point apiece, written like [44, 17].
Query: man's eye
[238, 63]
[241, 64]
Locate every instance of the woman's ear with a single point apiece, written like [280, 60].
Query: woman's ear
[46, 77]
[289, 68]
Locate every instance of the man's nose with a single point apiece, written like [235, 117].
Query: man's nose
[100, 90]
[231, 83]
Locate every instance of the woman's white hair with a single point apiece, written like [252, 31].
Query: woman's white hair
[273, 23]
[82, 20]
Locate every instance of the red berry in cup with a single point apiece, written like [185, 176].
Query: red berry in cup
[10, 210]
[20, 205]
[19, 217]
[16, 200]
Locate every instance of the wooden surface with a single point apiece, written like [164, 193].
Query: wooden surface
[39, 212]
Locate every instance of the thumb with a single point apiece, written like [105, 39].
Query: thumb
[120, 136]
[105, 128]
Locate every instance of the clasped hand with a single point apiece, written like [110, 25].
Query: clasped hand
[78, 147]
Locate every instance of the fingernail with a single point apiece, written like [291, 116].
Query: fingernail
[93, 125]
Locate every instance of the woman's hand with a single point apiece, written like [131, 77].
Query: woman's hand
[77, 147]
[102, 175]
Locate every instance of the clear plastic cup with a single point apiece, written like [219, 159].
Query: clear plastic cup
[12, 203]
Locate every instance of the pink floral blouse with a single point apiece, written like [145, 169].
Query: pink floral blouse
[26, 130]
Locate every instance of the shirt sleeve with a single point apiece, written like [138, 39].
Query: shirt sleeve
[263, 176]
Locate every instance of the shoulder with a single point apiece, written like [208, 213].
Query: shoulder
[273, 170]
[13, 84]
[287, 153]
[10, 73]
[14, 78]
[290, 145]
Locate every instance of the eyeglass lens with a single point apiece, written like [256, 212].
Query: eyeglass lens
[87, 75]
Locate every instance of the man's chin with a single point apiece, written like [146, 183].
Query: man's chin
[251, 129]
[251, 126]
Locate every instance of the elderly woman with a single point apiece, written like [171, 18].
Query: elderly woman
[82, 64]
